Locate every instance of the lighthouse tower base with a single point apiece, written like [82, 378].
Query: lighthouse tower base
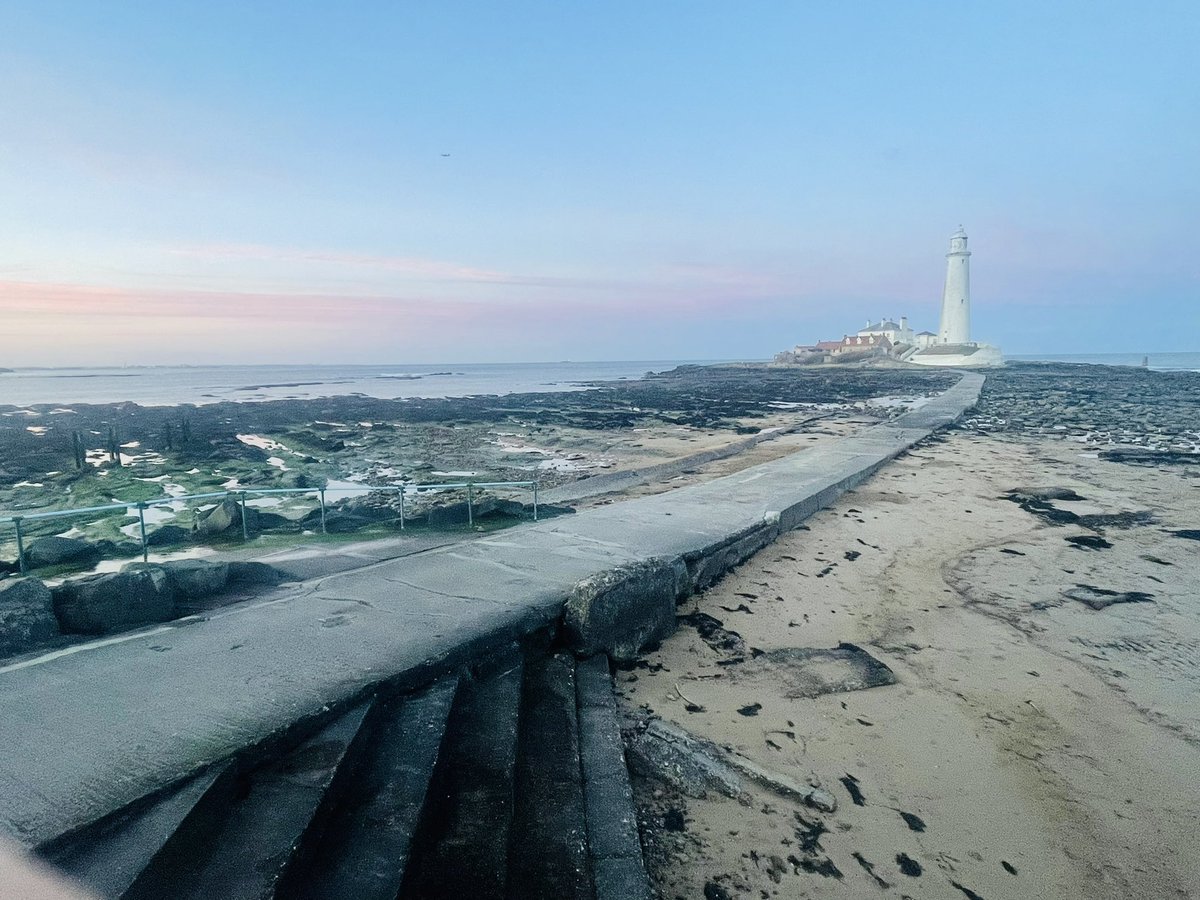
[964, 355]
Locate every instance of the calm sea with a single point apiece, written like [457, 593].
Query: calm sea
[1166, 362]
[169, 385]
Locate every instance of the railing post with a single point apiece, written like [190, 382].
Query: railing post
[535, 487]
[401, 507]
[245, 529]
[322, 493]
[20, 544]
[470, 505]
[141, 508]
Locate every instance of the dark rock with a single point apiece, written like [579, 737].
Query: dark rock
[268, 521]
[115, 601]
[338, 522]
[195, 578]
[110, 549]
[456, 513]
[1146, 457]
[26, 615]
[168, 535]
[58, 551]
[1134, 519]
[376, 507]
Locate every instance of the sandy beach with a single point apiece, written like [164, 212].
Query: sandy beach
[1042, 736]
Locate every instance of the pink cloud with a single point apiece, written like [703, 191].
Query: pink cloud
[414, 266]
[53, 300]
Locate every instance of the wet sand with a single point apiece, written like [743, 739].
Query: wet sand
[1033, 744]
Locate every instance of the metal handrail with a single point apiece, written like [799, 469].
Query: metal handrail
[240, 494]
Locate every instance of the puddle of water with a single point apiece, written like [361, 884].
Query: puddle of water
[339, 488]
[262, 443]
[114, 565]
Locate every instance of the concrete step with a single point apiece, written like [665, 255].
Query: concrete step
[505, 784]
[614, 846]
[110, 856]
[277, 807]
[462, 848]
[548, 843]
[364, 846]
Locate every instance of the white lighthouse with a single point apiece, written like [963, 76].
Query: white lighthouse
[953, 346]
[956, 295]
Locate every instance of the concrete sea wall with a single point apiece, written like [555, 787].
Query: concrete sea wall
[94, 728]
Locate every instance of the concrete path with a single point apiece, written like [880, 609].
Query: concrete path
[86, 731]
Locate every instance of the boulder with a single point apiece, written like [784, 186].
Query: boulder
[110, 549]
[456, 513]
[227, 516]
[195, 578]
[26, 615]
[268, 521]
[167, 535]
[114, 601]
[58, 551]
[338, 522]
[377, 506]
[199, 579]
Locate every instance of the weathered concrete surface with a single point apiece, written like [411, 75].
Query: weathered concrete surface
[622, 610]
[614, 847]
[94, 727]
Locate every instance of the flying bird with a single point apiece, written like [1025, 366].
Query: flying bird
[445, 154]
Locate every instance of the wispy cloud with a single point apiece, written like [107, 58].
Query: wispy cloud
[416, 267]
[39, 299]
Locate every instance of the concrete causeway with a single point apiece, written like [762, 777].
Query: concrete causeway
[85, 731]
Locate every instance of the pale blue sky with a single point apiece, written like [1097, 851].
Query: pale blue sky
[233, 182]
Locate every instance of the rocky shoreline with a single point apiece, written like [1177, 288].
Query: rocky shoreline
[56, 457]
